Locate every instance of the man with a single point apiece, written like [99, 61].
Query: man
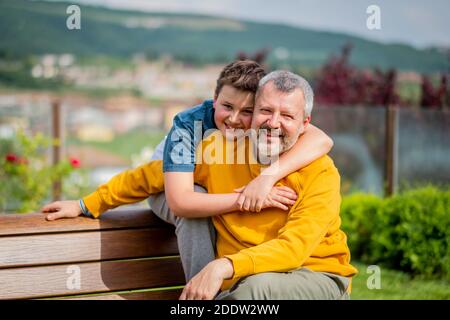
[299, 254]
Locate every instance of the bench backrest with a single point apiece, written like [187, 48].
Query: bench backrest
[127, 254]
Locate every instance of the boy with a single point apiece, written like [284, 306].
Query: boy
[230, 111]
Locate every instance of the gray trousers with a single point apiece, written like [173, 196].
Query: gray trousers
[299, 284]
[196, 238]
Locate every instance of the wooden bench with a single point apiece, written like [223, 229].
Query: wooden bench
[127, 254]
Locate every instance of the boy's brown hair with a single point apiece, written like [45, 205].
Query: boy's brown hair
[241, 74]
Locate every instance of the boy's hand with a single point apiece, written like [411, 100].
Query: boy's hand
[253, 195]
[62, 209]
[278, 197]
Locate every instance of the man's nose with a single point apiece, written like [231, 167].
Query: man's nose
[274, 121]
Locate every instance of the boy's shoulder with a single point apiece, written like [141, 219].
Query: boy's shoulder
[200, 112]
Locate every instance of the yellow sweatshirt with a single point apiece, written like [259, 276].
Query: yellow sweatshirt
[308, 235]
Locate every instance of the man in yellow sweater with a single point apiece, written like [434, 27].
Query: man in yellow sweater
[274, 254]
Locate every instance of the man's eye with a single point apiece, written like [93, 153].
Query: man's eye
[288, 116]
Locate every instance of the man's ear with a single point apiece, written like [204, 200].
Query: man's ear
[306, 122]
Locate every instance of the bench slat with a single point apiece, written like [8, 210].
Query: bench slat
[35, 282]
[35, 223]
[44, 249]
[172, 294]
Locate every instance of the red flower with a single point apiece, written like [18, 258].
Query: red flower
[75, 163]
[11, 157]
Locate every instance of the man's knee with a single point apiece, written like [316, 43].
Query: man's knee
[298, 285]
[255, 287]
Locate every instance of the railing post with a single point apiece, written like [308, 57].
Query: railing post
[56, 146]
[391, 150]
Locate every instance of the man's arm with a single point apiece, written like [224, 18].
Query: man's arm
[311, 145]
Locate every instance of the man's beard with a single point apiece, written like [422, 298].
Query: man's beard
[271, 143]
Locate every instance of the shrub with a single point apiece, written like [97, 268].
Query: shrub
[409, 231]
[358, 212]
[26, 176]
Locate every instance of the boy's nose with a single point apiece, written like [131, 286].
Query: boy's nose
[234, 119]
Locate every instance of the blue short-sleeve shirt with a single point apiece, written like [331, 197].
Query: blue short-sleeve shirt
[187, 131]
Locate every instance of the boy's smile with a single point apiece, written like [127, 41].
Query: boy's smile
[233, 110]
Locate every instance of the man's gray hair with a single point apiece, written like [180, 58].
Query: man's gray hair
[286, 81]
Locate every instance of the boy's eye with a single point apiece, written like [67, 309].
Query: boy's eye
[248, 111]
[228, 107]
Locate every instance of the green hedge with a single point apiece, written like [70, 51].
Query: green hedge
[409, 231]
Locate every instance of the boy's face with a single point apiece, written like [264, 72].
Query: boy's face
[233, 110]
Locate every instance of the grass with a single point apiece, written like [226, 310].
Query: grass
[397, 285]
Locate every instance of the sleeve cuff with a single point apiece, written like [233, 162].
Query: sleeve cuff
[242, 264]
[84, 210]
[178, 168]
[93, 204]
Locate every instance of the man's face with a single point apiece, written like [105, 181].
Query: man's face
[282, 116]
[233, 111]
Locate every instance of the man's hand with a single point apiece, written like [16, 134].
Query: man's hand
[206, 284]
[62, 209]
[254, 194]
[278, 197]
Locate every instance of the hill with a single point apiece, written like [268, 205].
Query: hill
[40, 27]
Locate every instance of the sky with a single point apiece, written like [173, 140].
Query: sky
[416, 22]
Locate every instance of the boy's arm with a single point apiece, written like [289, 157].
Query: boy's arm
[185, 202]
[311, 145]
[129, 186]
[135, 185]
